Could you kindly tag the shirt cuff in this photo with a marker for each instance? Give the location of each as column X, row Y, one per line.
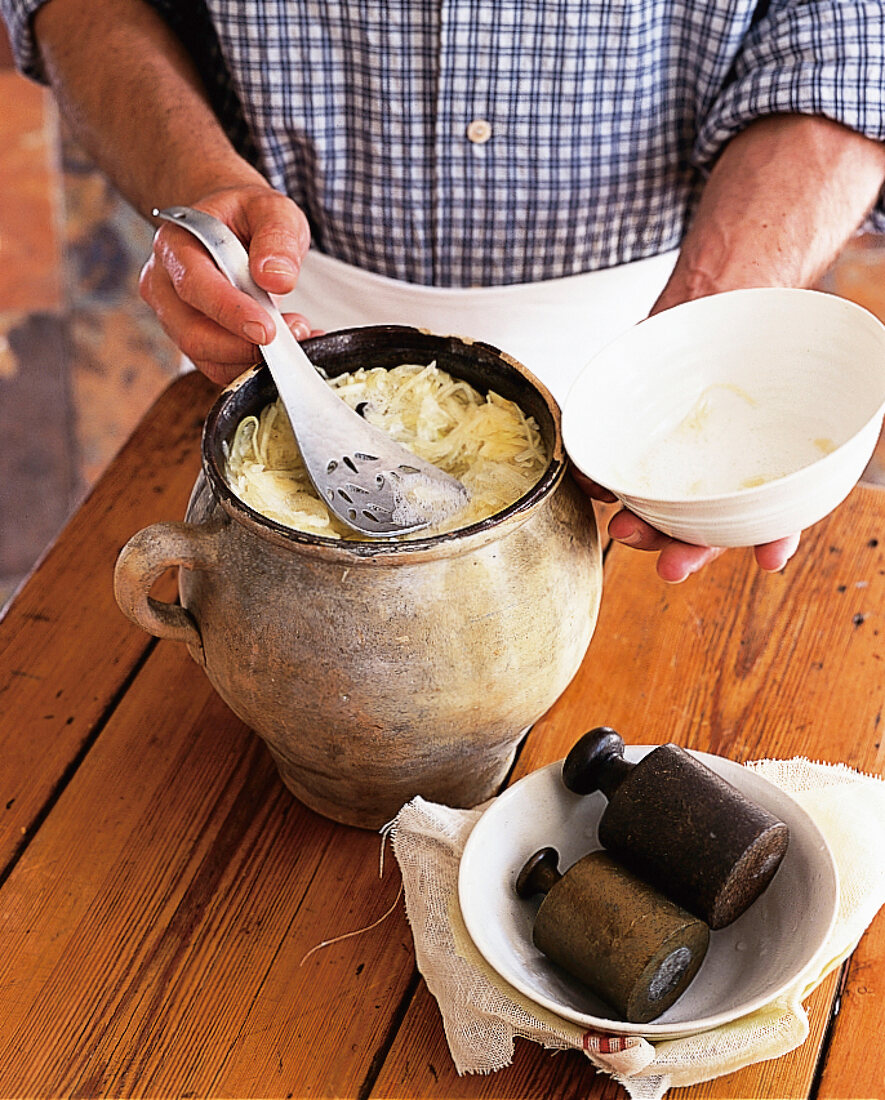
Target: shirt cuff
column 822, row 58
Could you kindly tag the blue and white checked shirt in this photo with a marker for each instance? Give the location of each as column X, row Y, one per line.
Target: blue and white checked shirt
column 483, row 142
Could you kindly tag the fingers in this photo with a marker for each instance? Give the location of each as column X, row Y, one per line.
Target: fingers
column 279, row 236
column 773, row 556
column 591, row 488
column 180, row 266
column 215, row 325
column 207, row 342
column 676, row 560
column 633, row 531
column 300, row 326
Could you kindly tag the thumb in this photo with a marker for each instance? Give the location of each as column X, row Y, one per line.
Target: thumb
column 279, row 238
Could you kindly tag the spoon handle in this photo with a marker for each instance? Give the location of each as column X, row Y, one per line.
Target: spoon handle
column 304, row 393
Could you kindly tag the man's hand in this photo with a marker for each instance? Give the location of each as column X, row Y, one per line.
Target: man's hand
column 215, row 325
column 781, row 201
column 678, row 560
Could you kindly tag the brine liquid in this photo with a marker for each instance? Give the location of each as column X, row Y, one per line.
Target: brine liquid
column 728, row 440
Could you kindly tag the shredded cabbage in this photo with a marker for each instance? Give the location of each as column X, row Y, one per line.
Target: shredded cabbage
column 486, row 442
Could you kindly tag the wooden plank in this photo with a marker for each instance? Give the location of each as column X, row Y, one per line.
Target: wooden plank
column 64, row 628
column 154, row 930
column 855, row 1068
column 170, row 960
column 736, row 662
column 420, row 1065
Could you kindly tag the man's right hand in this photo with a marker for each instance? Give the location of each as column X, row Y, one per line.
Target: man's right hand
column 137, row 105
column 215, row 325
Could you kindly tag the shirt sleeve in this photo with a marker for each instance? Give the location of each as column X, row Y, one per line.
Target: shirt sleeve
column 191, row 22
column 815, row 57
column 18, row 14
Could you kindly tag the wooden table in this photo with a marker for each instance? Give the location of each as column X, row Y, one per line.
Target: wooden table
column 160, row 888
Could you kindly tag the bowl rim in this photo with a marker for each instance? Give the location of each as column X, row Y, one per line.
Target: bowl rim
column 476, row 916
column 470, row 535
column 754, row 492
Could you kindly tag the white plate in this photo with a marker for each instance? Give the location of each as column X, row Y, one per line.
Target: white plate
column 763, row 953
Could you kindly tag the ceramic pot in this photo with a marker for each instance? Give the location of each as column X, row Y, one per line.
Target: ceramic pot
column 377, row 671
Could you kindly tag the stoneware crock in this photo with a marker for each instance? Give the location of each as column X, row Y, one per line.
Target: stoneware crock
column 377, row 671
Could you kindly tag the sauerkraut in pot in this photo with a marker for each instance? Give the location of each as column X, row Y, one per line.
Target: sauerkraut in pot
column 485, row 441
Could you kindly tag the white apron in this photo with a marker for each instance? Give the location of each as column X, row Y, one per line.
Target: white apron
column 553, row 327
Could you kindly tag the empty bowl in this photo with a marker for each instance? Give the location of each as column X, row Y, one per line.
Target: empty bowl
column 771, row 948
column 735, row 419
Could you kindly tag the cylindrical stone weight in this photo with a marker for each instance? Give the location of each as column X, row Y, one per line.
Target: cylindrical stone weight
column 678, row 825
column 630, row 945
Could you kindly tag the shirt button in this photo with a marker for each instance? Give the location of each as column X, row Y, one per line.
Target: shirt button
column 479, row 131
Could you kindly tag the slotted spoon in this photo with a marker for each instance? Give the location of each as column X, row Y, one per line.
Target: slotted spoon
column 372, row 483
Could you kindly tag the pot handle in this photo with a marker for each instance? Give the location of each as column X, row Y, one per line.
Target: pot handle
column 144, row 558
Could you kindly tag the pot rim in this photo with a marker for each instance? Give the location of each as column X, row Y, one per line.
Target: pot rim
column 462, row 538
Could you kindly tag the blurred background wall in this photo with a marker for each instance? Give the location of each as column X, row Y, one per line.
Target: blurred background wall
column 81, row 356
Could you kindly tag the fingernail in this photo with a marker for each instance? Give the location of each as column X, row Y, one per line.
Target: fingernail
column 255, row 333
column 633, row 539
column 299, row 330
column 279, row 265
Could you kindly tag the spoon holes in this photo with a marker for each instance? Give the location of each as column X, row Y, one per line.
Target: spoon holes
column 378, row 514
column 332, row 467
column 349, row 463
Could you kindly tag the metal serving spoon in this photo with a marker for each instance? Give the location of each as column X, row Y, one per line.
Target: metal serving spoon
column 372, row 483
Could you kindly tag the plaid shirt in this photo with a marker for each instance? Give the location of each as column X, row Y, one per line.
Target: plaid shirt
column 482, row 142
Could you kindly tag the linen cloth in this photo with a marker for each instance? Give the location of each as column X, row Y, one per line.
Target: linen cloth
column 487, row 142
column 482, row 1014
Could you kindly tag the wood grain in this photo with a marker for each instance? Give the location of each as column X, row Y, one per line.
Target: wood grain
column 738, row 662
column 155, row 943
column 66, row 650
column 855, row 1067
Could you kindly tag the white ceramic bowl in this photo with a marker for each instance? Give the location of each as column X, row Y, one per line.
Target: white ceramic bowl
column 766, row 951
column 735, row 419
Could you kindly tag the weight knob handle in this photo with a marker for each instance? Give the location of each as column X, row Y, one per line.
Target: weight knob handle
column 539, row 874
column 596, row 763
